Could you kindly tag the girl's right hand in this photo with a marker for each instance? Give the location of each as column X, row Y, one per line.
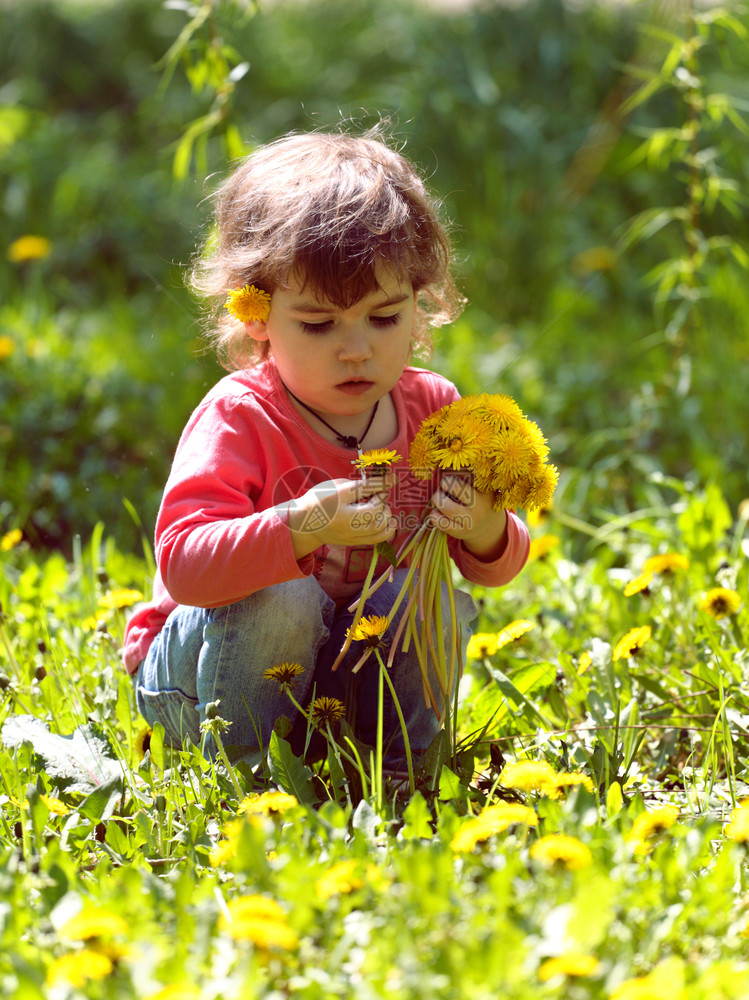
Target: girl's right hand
column 340, row 512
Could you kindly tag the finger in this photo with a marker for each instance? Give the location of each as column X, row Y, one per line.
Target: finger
column 458, row 489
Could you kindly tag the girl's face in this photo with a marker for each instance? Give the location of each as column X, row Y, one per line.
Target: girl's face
column 340, row 361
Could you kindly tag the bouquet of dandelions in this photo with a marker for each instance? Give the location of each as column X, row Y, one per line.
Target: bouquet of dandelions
column 488, row 439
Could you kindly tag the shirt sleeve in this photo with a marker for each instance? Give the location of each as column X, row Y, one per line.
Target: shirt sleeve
column 213, row 547
column 502, row 569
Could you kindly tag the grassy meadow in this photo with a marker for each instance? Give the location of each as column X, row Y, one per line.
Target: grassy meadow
column 586, row 837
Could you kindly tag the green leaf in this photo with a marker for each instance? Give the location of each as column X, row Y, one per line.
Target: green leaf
column 101, row 803
column 288, row 771
column 386, row 550
column 451, row 786
column 418, row 819
column 84, row 759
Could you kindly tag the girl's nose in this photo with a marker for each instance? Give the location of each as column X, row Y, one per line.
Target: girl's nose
column 355, row 346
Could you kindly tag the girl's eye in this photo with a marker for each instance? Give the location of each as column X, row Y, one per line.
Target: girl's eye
column 385, row 320
column 323, row 327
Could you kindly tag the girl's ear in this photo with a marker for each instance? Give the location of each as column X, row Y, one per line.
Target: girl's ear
column 256, row 329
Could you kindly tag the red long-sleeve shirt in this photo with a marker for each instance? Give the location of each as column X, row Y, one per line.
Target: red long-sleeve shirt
column 244, row 450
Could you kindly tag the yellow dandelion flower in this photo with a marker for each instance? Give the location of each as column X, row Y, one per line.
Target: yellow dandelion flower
column 585, row 662
column 631, row 643
column 640, row 583
column 720, row 602
column 512, row 456
column 538, row 516
column 539, row 491
column 77, row 967
column 175, row 991
column 561, row 851
column 11, row 540
column 327, row 710
column 142, row 741
column 571, row 963
column 665, row 982
column 125, row 597
column 377, row 457
column 93, row 922
column 649, row 824
column 338, row 879
column 493, row 819
column 568, row 779
column 55, row 805
column 542, row 546
column 285, row 674
column 514, row 631
column 249, row 304
column 738, row 827
column 222, row 852
column 482, row 644
column 421, row 456
column 274, row 803
column 259, row 920
column 669, row 562
column 529, row 776
column 502, row 412
column 29, row 248
column 7, row 347
column 459, row 452
column 369, row 630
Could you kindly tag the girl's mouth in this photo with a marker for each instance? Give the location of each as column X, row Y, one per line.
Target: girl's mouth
column 355, row 387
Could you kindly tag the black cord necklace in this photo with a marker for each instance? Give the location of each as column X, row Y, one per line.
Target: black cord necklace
column 347, row 440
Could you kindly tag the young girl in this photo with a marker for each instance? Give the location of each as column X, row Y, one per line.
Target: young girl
column 266, row 529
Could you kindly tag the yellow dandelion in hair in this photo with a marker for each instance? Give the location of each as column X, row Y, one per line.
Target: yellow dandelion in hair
column 55, row 805
column 274, row 803
column 640, row 584
column 542, row 546
column 376, row 457
column 29, row 248
column 571, row 964
column 125, row 597
column 631, row 643
column 492, row 820
column 11, row 540
column 668, row 562
column 249, row 304
column 339, row 879
column 649, row 825
column 93, row 922
column 529, row 776
column 738, row 827
column 285, row 674
column 369, row 630
column 514, row 631
column 481, row 645
column 561, row 851
column 720, row 602
column 327, row 710
column 78, row 967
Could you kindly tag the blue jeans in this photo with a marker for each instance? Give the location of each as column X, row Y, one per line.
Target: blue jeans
column 204, row 655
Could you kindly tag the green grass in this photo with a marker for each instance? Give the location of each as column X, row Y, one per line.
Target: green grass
column 380, row 901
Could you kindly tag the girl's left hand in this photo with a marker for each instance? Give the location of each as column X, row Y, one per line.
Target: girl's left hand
column 462, row 512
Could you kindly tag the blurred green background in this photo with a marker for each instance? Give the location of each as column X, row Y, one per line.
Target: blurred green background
column 515, row 111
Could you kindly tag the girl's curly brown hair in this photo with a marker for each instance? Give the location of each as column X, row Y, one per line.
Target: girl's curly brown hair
column 327, row 208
